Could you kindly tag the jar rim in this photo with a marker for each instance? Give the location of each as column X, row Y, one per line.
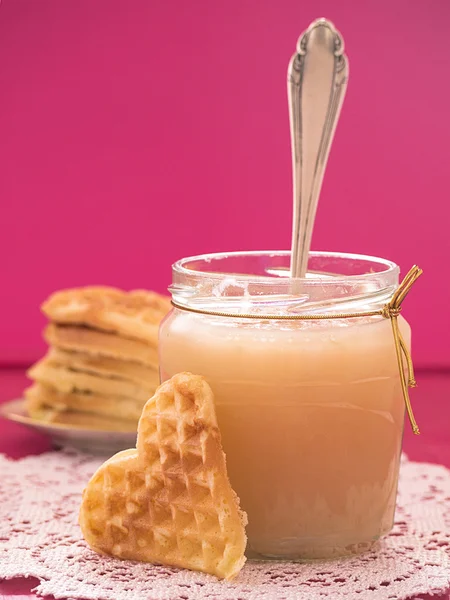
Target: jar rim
column 247, row 281
column 179, row 267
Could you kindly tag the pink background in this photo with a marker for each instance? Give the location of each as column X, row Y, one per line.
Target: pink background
column 133, row 133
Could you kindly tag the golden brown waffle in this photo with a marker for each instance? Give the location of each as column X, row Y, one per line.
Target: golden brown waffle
column 103, row 366
column 136, row 314
column 40, row 396
column 169, row 501
column 82, row 420
column 99, row 343
column 51, row 372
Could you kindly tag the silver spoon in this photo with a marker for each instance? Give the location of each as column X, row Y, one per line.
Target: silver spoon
column 317, row 81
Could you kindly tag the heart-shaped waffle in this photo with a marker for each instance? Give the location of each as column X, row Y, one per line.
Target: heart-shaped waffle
column 169, row 500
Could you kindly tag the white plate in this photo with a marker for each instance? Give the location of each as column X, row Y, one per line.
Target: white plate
column 98, row 441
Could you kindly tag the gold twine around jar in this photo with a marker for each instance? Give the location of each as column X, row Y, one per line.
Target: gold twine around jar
column 391, row 311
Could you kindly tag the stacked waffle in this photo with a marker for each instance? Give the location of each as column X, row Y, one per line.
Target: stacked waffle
column 102, row 365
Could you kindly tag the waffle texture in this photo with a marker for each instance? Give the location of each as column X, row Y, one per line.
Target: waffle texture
column 100, row 343
column 47, row 403
column 50, row 371
column 134, row 314
column 109, row 368
column 169, row 500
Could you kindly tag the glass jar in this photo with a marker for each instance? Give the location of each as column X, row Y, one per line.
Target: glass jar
column 311, row 412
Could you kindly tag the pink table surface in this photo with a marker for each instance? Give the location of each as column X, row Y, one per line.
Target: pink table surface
column 431, row 402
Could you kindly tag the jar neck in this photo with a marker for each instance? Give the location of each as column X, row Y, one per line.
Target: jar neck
column 259, row 282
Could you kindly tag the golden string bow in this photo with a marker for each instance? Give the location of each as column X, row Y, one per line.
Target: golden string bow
column 391, row 311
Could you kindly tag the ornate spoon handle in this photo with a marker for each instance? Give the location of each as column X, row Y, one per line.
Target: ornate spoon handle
column 317, row 81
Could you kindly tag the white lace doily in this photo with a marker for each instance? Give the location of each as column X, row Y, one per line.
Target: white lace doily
column 39, row 537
